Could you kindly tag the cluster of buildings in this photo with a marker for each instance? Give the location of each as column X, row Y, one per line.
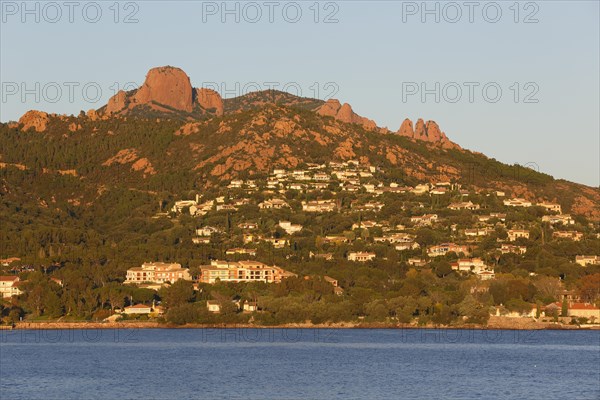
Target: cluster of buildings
column 157, row 274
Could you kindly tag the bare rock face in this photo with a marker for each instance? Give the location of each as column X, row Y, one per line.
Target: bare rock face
column 93, row 115
column 330, row 108
column 434, row 134
column 168, row 86
column 166, row 89
column 406, row 129
column 420, row 130
column 209, row 99
column 344, row 113
column 428, row 132
column 38, row 120
column 116, row 103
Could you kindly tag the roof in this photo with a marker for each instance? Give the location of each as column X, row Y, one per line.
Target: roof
column 9, row 278
column 583, row 306
column 138, row 306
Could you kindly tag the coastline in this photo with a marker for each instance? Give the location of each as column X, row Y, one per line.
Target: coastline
column 495, row 323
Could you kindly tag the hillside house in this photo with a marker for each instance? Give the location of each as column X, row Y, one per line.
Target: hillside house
column 517, row 202
column 478, row 232
column 248, row 225
column 416, row 262
column 407, row 246
column 426, row 219
column 334, row 282
column 278, row 243
column 213, row 306
column 514, row 234
column 365, row 225
column 474, row 265
column 421, row 189
column 289, row 228
column 558, row 219
column 241, row 251
column 509, row 248
column 442, row 249
column 249, row 306
column 584, row 261
column 319, row 206
column 242, row 271
column 207, row 231
column 360, row 256
column 551, row 207
column 9, row 286
column 396, row 238
column 273, row 204
column 572, row 235
column 138, row 309
column 157, row 272
column 464, row 205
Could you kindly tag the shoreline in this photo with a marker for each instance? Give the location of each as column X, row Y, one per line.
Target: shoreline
column 495, row 323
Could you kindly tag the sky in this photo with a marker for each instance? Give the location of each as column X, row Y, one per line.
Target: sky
column 517, row 81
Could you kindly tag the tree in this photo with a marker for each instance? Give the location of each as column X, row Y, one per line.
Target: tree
column 564, row 309
column 178, row 293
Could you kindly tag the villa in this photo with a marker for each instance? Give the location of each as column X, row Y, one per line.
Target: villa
column 360, row 256
column 242, row 271
column 157, row 272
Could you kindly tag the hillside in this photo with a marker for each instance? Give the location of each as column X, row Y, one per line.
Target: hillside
column 86, row 197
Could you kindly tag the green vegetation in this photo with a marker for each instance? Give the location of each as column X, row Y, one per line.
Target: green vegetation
column 89, row 227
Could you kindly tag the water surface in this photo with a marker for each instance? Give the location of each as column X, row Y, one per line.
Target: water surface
column 299, row 364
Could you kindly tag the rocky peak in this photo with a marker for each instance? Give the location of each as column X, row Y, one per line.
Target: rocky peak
column 344, row 113
column 168, row 86
column 38, row 120
column 166, row 89
column 406, row 129
column 427, row 131
column 209, row 99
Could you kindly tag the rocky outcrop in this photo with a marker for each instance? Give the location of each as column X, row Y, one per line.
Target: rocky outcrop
column 406, row 129
column 166, row 89
column 168, row 86
column 426, row 131
column 38, row 120
column 209, row 99
column 420, row 133
column 93, row 115
column 116, row 103
column 344, row 113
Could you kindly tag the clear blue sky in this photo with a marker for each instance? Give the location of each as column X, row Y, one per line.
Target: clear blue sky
column 374, row 54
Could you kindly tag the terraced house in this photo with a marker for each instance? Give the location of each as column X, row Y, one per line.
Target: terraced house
column 157, row 272
column 242, row 271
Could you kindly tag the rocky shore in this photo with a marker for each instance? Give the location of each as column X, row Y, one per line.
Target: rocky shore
column 494, row 323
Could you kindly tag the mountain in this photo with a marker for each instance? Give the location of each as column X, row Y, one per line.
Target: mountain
column 168, row 135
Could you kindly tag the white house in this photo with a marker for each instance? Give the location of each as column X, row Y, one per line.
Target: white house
column 360, row 256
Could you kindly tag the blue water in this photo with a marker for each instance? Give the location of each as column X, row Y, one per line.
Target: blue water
column 299, row 364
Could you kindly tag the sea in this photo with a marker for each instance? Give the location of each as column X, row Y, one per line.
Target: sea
column 275, row 363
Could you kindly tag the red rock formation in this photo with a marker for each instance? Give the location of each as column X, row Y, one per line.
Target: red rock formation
column 208, row 98
column 344, row 113
column 406, row 129
column 38, row 120
column 330, row 108
column 168, row 86
column 420, row 133
column 434, row 134
column 165, row 89
column 116, row 103
column 428, row 132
